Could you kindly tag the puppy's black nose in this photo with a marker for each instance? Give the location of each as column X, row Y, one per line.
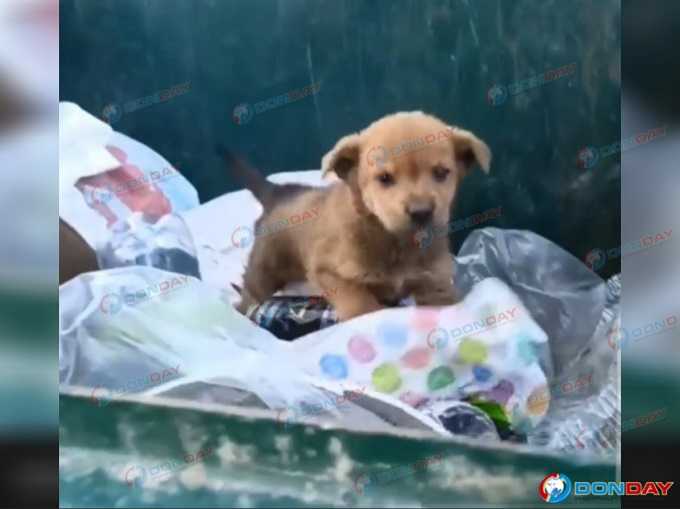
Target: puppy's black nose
column 421, row 216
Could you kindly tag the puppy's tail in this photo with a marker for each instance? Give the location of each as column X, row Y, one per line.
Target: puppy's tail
column 267, row 193
column 249, row 177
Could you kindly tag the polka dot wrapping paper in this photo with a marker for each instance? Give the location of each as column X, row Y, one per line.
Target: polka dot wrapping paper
column 486, row 350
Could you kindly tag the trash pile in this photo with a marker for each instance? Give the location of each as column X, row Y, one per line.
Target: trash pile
column 524, row 357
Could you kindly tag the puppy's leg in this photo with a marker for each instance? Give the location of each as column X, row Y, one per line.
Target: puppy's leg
column 261, row 279
column 349, row 299
column 436, row 288
column 434, row 292
column 258, row 286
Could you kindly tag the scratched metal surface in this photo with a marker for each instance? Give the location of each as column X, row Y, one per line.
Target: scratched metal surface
column 370, row 58
column 250, row 460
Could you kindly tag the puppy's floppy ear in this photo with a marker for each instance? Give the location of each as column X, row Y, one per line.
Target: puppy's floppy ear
column 470, row 150
column 343, row 158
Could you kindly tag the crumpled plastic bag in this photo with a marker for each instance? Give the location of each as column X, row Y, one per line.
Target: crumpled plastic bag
column 485, row 350
column 579, row 312
column 105, row 177
column 220, row 346
column 141, row 327
column 564, row 296
column 123, row 329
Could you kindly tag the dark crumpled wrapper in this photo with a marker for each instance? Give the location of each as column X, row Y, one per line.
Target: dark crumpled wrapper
column 291, row 317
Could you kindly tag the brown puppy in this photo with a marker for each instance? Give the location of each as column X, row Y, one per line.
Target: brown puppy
column 354, row 240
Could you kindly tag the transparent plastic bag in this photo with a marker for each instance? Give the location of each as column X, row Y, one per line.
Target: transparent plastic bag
column 579, row 311
column 212, row 344
column 123, row 330
column 165, row 244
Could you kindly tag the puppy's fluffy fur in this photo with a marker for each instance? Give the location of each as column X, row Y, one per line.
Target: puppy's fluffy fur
column 356, row 244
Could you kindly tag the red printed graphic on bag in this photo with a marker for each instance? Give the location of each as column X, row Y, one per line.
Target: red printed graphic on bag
column 117, row 193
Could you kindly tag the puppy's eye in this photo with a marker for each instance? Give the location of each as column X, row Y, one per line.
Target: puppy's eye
column 440, row 173
column 386, row 179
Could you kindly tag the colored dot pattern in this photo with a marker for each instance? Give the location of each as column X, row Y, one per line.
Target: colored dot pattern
column 416, row 358
column 482, row 373
column 413, row 399
column 334, row 366
column 386, row 378
column 425, row 319
column 502, row 391
column 525, row 350
column 472, row 351
column 395, row 370
column 539, row 401
column 439, row 378
column 393, row 335
column 361, row 349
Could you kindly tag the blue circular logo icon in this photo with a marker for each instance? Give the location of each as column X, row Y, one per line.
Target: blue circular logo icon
column 618, row 337
column 102, row 399
column 135, row 476
column 595, row 259
column 377, row 156
column 497, row 95
column 554, row 488
column 361, row 482
column 112, row 113
column 111, row 303
column 242, row 236
column 438, row 338
column 423, row 237
column 588, row 157
column 242, row 113
column 96, row 195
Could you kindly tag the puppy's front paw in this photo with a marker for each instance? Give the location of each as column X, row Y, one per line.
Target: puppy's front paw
column 437, row 296
column 242, row 307
column 247, row 302
column 345, row 313
column 355, row 302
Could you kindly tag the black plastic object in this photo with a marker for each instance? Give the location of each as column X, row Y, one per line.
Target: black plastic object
column 461, row 418
column 172, row 260
column 291, row 317
column 165, row 245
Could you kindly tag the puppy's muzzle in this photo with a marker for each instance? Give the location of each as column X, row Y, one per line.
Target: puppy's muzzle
column 421, row 216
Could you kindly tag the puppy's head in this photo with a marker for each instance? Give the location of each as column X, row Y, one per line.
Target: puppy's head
column 406, row 168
